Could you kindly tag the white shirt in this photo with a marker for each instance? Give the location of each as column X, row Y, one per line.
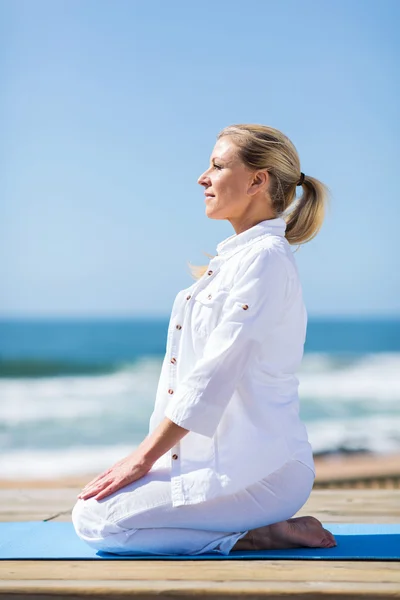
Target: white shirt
column 235, row 340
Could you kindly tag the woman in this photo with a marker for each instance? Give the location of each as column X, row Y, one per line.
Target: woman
column 227, row 462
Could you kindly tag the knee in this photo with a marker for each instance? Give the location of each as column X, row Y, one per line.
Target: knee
column 88, row 523
column 94, row 529
column 83, row 519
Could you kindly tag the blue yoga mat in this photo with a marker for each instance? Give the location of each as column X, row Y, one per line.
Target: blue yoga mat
column 46, row 540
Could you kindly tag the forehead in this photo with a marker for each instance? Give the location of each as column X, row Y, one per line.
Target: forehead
column 224, row 149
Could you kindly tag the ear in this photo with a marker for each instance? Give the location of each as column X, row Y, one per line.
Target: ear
column 259, row 180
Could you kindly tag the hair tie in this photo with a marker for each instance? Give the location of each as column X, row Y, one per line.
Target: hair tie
column 300, row 182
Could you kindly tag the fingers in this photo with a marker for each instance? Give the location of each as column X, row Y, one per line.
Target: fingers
column 94, row 481
column 102, row 490
column 97, row 480
column 107, row 491
column 100, row 478
column 105, row 486
column 94, row 489
column 119, row 475
column 89, row 490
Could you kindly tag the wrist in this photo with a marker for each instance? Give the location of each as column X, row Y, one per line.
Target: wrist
column 162, row 439
column 144, row 457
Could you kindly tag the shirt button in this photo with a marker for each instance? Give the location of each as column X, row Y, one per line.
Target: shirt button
column 174, row 456
column 170, row 391
column 209, row 296
column 209, row 273
column 188, row 297
column 179, row 326
column 245, row 306
column 173, row 360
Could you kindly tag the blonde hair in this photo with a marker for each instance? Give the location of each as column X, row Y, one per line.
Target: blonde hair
column 263, row 147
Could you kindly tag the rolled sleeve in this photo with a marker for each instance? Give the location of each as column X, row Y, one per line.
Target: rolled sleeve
column 256, row 304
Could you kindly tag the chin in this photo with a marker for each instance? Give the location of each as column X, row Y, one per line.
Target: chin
column 215, row 216
column 212, row 214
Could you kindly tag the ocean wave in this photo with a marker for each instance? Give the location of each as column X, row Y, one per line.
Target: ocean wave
column 348, row 403
column 35, row 368
column 379, row 435
column 374, row 433
column 43, row 464
column 368, row 383
column 47, row 399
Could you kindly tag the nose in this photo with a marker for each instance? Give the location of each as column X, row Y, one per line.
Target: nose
column 201, row 180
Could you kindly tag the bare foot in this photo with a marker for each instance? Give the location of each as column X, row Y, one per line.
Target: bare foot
column 293, row 533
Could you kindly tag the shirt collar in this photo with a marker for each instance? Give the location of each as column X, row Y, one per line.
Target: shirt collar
column 239, row 241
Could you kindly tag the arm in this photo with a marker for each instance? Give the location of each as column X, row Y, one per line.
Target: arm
column 162, row 439
column 136, row 464
column 255, row 305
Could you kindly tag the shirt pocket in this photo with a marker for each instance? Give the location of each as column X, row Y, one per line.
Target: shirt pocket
column 207, row 309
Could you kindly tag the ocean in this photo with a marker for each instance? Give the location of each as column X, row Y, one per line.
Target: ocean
column 76, row 395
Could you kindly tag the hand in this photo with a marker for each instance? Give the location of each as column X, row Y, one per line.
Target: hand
column 129, row 469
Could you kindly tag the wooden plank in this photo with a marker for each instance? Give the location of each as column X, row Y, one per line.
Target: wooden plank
column 201, row 570
column 154, row 590
column 35, row 505
column 355, row 505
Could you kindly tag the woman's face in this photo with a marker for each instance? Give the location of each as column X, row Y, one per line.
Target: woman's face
column 228, row 180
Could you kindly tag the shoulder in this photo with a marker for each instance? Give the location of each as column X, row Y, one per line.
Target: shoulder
column 270, row 255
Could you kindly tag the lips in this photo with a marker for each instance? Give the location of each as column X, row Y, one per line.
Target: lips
column 209, row 195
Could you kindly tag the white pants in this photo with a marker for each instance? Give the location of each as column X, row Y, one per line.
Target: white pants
column 139, row 518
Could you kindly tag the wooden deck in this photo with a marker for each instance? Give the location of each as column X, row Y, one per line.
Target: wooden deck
column 220, row 579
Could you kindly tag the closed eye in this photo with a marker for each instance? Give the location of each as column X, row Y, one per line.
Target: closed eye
column 217, row 166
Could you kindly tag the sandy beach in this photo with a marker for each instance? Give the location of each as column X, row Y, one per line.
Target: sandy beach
column 336, row 470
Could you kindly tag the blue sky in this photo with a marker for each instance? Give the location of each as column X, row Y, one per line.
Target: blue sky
column 109, row 112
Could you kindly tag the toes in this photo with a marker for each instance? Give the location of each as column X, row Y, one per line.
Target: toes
column 330, row 536
column 308, row 531
column 329, row 542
